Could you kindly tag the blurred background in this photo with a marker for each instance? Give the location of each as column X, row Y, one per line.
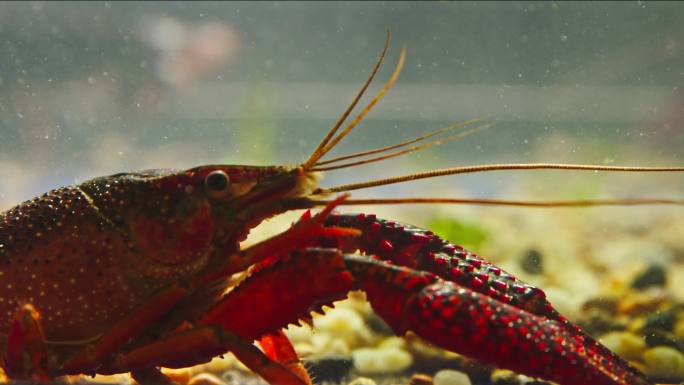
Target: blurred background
column 90, row 89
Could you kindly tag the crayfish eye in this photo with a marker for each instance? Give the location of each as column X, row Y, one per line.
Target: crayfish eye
column 217, row 182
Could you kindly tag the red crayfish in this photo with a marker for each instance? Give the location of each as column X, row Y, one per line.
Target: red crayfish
column 131, row 272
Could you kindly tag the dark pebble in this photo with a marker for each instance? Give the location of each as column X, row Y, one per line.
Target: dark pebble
column 606, row 305
column 598, row 322
column 664, row 320
column 655, row 275
column 328, row 368
column 658, row 337
column 532, row 262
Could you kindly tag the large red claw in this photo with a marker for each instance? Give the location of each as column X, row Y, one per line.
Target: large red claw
column 470, row 323
column 460, row 302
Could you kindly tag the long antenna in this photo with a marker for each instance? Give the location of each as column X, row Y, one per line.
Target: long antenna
column 399, row 145
column 490, row 167
column 502, row 202
column 369, row 106
column 318, row 152
column 409, row 150
column 332, row 138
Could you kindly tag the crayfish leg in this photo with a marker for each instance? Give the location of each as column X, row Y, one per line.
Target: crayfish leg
column 279, row 348
column 26, row 338
column 88, row 359
column 199, row 345
column 274, row 300
column 278, row 364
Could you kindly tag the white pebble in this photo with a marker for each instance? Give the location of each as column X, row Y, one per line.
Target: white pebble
column 339, row 320
column 345, row 324
column 329, row 343
column 362, row 381
column 392, row 342
column 385, row 360
column 451, row 377
column 205, row 379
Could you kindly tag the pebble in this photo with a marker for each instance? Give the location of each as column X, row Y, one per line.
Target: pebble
column 678, row 328
column 660, row 320
column 421, row 379
column 328, row 368
column 507, row 377
column 653, row 276
column 532, row 262
column 327, row 343
column 600, row 323
column 381, row 360
column 179, row 376
column 430, row 359
column 304, row 349
column 657, row 337
column 504, row 377
column 392, row 342
column 362, row 381
column 624, row 344
column 451, row 377
column 606, row 305
column 218, row 365
column 643, row 302
column 635, row 325
column 664, row 362
column 205, row 379
column 343, row 323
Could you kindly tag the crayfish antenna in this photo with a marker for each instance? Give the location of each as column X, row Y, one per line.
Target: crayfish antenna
column 402, row 144
column 490, row 167
column 502, row 202
column 405, row 151
column 347, row 129
column 319, row 151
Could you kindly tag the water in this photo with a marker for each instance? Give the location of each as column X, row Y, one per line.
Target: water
column 91, row 89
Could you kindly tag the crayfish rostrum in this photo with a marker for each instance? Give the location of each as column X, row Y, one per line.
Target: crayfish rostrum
column 131, row 272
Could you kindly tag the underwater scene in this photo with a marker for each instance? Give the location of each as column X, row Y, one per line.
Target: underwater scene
column 365, row 193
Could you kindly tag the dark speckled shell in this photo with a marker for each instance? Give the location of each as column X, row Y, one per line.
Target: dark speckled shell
column 59, row 253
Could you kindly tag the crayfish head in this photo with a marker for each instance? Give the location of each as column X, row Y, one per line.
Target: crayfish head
column 176, row 218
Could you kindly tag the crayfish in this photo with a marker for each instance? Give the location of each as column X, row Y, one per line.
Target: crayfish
column 132, row 272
